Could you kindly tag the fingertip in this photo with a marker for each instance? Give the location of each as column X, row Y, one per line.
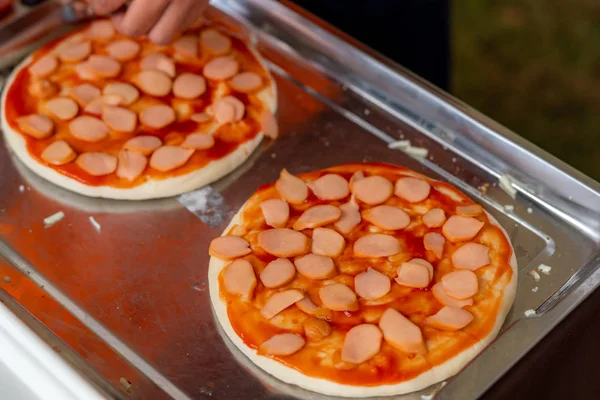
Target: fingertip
column 158, row 38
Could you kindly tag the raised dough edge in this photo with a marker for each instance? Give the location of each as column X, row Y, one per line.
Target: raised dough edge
column 153, row 188
column 289, row 375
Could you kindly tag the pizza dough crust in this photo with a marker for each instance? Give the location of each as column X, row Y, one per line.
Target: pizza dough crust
column 153, row 188
column 294, row 377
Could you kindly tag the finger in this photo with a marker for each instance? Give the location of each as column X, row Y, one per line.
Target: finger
column 174, row 20
column 105, row 7
column 117, row 19
column 197, row 16
column 141, row 16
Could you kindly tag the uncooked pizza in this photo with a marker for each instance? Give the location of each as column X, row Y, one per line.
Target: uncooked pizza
column 110, row 116
column 361, row 280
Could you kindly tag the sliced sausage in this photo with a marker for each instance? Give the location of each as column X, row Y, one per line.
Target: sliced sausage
column 435, row 242
column 76, row 51
column 246, row 82
column 127, row 93
column 214, row 42
column 200, row 117
column 276, row 212
column 186, row 46
column 283, row 344
column 291, row 188
column 62, row 108
column 158, row 62
column 372, row 284
column 277, row 273
column 221, row 68
column 167, row 158
column 386, row 217
column 283, row 242
column 153, row 82
column 43, row 88
column 350, row 217
column 97, row 164
column 424, row 263
column 229, row 247
column 269, row 125
column 401, row 333
column 440, row 295
column 102, row 29
column 316, row 216
column 361, row 343
column 88, row 129
column 316, row 329
column 279, row 302
column 414, row 275
column 157, row 116
column 307, row 306
column 412, row 190
column 313, row 266
column 36, row 125
column 338, row 297
column 460, row 284
column 327, row 242
column 228, row 109
column 111, row 100
column 94, row 107
column 198, row 141
column 143, row 144
column 330, row 187
column 85, row 93
column 44, row 67
column 449, row 319
column 104, row 66
column 119, row 119
column 131, row 165
column 239, row 279
column 124, row 49
column 472, row 210
column 357, row 176
column 189, row 86
column 434, row 218
column 372, row 190
column 458, row 228
column 377, row 245
column 84, row 71
column 58, row 153
column 471, row 256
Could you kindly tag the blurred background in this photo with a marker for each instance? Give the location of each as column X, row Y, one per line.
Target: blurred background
column 534, row 66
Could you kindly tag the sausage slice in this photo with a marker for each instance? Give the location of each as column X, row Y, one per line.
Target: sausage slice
column 471, row 256
column 123, row 50
column 36, row 125
column 143, row 144
column 424, row 263
column 44, row 67
column 228, row 109
column 372, row 284
column 460, row 284
column 269, row 124
column 450, row 319
column 214, row 42
column 338, row 297
column 198, row 141
column 62, row 108
column 76, row 51
column 189, row 86
column 377, row 245
column 401, row 333
column 361, row 343
column 102, row 29
column 157, row 116
column 313, row 266
column 246, row 82
column 279, row 302
column 97, row 164
column 327, row 242
column 221, row 68
column 283, row 344
column 167, row 158
column 458, row 229
column 85, row 71
column 440, row 295
column 153, row 82
column 158, row 62
column 239, row 279
column 229, row 247
column 58, row 153
column 186, row 46
column 386, row 217
column 88, row 129
column 316, row 216
column 119, row 119
column 330, row 187
column 372, row 190
column 412, row 190
column 291, row 188
column 104, row 66
column 434, row 242
column 283, row 242
column 277, row 273
column 85, row 93
column 414, row 275
column 127, row 93
column 200, row 117
column 307, row 306
column 434, row 218
column 276, row 212
column 472, row 210
column 350, row 217
column 131, row 165
column 43, row 88
column 357, row 176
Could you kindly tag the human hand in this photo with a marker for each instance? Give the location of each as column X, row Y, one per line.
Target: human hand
column 159, row 19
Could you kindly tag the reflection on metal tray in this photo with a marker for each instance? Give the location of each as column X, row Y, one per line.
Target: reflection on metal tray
column 138, row 289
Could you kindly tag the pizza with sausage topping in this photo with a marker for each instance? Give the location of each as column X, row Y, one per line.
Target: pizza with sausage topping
column 361, row 280
column 107, row 115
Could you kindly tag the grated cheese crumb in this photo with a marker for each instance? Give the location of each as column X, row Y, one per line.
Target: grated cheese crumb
column 54, row 218
column 529, row 210
column 96, row 225
column 535, row 289
column 530, row 313
column 535, row 275
column 126, row 384
column 417, row 151
column 21, row 188
column 367, row 112
column 509, row 207
column 544, row 269
column 505, row 184
column 399, row 144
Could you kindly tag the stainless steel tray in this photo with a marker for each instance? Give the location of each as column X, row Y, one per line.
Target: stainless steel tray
column 132, row 300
